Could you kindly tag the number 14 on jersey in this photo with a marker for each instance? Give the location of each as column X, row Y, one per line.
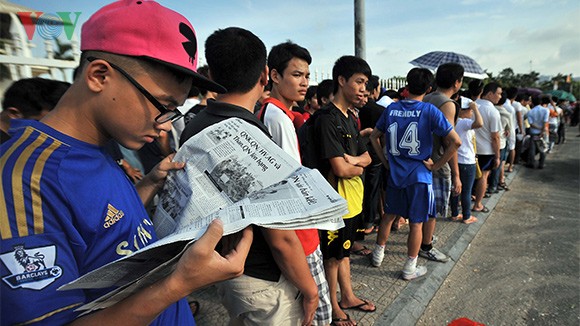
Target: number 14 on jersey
column 409, row 141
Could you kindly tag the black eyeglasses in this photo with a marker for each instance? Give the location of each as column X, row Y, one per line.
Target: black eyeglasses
column 165, row 114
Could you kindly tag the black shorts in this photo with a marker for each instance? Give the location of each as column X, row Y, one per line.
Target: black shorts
column 337, row 243
column 485, row 162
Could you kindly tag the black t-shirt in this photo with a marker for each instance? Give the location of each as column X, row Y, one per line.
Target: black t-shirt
column 338, row 135
column 260, row 262
column 369, row 115
column 196, row 109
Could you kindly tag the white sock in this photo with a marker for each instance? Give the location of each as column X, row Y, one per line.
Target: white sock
column 410, row 265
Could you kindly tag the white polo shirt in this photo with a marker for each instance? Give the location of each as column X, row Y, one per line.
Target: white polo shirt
column 491, row 123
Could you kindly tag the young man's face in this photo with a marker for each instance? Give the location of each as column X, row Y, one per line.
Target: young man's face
column 313, row 103
column 354, row 88
column 292, row 84
column 494, row 97
column 364, row 100
column 130, row 118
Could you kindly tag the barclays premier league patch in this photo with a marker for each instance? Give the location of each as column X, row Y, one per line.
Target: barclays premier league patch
column 31, row 268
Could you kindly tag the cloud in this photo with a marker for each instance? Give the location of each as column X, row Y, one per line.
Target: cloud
column 570, row 52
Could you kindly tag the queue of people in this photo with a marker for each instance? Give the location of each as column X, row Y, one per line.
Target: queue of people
column 411, row 156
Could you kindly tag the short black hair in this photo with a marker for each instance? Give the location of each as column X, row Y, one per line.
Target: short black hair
column 311, row 92
column 204, row 71
column 490, row 87
column 373, row 83
column 511, row 92
column 541, row 99
column 474, row 88
column 324, row 89
column 282, row 53
column 447, row 74
column 348, row 65
column 545, row 99
column 522, row 97
column 236, row 58
column 419, row 80
column 502, row 99
column 393, row 94
column 32, row 95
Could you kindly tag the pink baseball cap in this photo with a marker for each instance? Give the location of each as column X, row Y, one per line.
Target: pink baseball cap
column 141, row 28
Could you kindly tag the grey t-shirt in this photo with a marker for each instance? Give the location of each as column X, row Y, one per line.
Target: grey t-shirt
column 438, row 99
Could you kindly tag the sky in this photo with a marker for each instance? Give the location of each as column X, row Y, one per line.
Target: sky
column 524, row 35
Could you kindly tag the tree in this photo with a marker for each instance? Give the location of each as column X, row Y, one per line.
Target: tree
column 507, row 78
column 529, row 79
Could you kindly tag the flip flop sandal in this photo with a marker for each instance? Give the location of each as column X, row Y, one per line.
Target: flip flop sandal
column 364, row 251
column 339, row 321
column 483, row 210
column 360, row 306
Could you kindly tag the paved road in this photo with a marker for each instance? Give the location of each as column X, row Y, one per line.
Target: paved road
column 519, row 265
column 522, row 267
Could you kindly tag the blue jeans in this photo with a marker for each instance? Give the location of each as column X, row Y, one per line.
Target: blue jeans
column 494, row 175
column 467, row 177
column 536, row 147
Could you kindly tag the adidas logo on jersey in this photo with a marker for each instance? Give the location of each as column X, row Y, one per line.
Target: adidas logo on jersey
column 113, row 215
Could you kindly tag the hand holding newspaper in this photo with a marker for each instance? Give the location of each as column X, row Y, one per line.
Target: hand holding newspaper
column 233, row 172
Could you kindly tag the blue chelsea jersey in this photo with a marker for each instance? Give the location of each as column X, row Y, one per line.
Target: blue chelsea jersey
column 409, row 126
column 66, row 209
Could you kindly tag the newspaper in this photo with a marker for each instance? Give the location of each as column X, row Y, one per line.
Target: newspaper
column 234, row 173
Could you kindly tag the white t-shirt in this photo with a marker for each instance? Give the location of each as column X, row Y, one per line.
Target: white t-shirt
column 282, row 130
column 491, row 123
column 465, row 153
column 505, row 121
column 385, row 101
column 512, row 138
column 519, row 108
column 179, row 124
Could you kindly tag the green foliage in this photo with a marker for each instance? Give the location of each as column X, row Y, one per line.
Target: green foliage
column 508, row 78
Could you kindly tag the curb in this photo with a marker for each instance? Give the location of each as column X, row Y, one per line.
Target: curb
column 410, row 304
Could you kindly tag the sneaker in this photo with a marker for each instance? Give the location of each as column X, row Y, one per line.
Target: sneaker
column 418, row 272
column 434, row 255
column 434, row 239
column 378, row 256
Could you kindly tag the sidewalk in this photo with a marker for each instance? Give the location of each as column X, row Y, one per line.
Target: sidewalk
column 398, row 302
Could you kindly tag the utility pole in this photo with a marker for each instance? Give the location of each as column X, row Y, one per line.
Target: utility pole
column 359, row 29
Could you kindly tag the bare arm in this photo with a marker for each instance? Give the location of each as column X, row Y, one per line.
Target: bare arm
column 478, row 121
column 365, row 132
column 520, row 122
column 342, row 169
column 452, row 143
column 449, row 110
column 495, row 146
column 289, row 256
column 375, row 139
column 362, row 160
column 199, row 266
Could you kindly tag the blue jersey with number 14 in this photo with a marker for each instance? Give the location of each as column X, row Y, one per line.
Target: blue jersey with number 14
column 409, row 126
